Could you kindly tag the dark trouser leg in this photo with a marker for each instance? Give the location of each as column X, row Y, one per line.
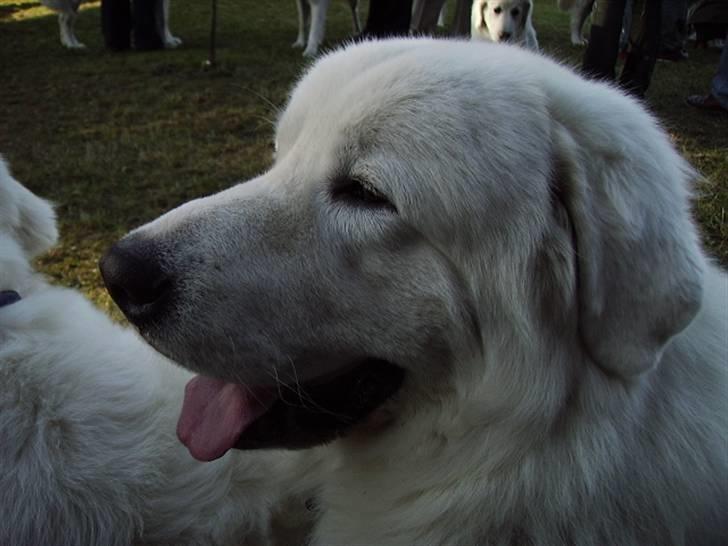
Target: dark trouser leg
column 425, row 16
column 146, row 35
column 601, row 52
column 644, row 47
column 673, row 32
column 388, row 18
column 461, row 20
column 116, row 24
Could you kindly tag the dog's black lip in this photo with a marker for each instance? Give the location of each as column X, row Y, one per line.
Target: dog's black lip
column 326, row 408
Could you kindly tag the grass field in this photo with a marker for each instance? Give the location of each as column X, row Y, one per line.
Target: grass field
column 116, row 139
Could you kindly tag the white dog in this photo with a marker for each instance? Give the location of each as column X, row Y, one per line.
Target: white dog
column 503, row 21
column 68, row 13
column 475, row 275
column 312, row 14
column 88, row 412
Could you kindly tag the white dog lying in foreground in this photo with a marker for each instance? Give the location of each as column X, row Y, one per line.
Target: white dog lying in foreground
column 87, row 419
column 474, row 274
column 504, row 21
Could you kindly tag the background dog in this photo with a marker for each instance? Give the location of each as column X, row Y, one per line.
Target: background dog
column 468, row 277
column 312, row 14
column 504, row 21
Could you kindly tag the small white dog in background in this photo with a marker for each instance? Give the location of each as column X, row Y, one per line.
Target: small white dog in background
column 88, row 411
column 312, row 14
column 504, row 21
column 68, row 13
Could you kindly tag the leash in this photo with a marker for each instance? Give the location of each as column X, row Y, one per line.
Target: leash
column 8, row 297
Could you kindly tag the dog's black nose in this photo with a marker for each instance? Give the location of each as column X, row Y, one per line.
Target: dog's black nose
column 135, row 280
column 8, row 297
column 504, row 36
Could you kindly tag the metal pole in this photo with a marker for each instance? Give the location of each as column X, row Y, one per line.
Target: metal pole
column 210, row 63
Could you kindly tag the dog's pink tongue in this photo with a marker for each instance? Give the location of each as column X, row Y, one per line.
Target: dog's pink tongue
column 215, row 414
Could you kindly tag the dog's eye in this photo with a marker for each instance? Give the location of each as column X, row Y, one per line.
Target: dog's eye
column 497, row 10
column 355, row 191
column 515, row 12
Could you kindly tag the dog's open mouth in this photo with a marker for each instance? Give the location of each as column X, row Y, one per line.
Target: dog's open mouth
column 218, row 416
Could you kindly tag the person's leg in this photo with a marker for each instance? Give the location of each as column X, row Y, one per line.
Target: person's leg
column 673, row 30
column 145, row 26
column 425, row 15
column 719, row 85
column 644, row 47
column 626, row 26
column 461, row 19
column 388, row 18
column 116, row 24
column 601, row 52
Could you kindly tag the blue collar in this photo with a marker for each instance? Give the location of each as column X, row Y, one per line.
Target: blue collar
column 8, row 297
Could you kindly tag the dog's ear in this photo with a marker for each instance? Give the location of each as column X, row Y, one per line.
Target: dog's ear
column 30, row 219
column 639, row 267
column 477, row 17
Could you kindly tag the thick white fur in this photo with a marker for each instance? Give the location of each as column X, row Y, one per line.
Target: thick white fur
column 541, row 282
column 312, row 14
column 88, row 450
column 504, row 21
column 68, row 13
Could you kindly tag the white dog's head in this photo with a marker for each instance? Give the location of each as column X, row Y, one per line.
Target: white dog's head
column 501, row 20
column 27, row 228
column 439, row 216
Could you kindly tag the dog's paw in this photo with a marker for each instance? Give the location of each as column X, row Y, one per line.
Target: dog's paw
column 72, row 44
column 299, row 43
column 578, row 41
column 170, row 42
column 310, row 52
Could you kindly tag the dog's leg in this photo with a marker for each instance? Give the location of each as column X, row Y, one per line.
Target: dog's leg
column 318, row 26
column 67, row 23
column 529, row 33
column 304, row 14
column 354, row 5
column 579, row 13
column 169, row 40
column 442, row 17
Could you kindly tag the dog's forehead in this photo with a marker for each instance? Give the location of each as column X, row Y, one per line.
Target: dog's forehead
column 356, row 90
column 506, row 4
column 396, row 110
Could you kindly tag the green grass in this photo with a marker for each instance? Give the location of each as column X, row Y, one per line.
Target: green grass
column 116, row 139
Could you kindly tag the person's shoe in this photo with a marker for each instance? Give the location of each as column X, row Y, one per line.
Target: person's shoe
column 705, row 102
